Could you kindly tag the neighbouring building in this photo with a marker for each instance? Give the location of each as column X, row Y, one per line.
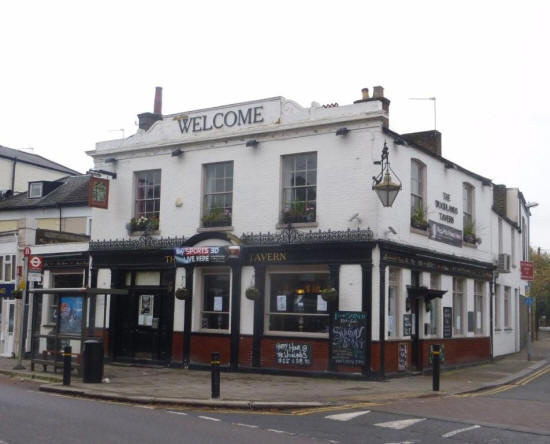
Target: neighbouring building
column 253, row 230
column 53, row 218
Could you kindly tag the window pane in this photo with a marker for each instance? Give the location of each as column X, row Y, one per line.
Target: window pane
column 299, row 173
column 301, row 163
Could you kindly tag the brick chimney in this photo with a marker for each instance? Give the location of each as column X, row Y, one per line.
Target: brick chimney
column 378, row 94
column 429, row 140
column 146, row 120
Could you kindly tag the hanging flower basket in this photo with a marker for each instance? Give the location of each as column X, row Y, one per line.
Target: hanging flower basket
column 329, row 294
column 182, row 294
column 17, row 294
column 252, row 293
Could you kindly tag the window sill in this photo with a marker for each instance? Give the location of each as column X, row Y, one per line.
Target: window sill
column 468, row 244
column 281, row 226
column 141, row 233
column 297, row 334
column 211, row 229
column 418, row 231
column 214, row 330
column 508, row 329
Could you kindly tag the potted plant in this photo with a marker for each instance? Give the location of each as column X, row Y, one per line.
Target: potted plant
column 329, row 294
column 217, row 217
column 298, row 212
column 419, row 219
column 183, row 294
column 252, row 293
column 143, row 223
column 469, row 233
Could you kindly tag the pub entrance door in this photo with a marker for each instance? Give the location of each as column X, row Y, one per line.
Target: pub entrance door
column 143, row 325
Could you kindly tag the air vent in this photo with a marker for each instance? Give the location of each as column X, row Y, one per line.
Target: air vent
column 504, row 263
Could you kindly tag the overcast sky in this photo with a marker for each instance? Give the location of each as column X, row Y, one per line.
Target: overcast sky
column 74, row 73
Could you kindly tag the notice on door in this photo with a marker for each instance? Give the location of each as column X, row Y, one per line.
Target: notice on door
column 145, row 315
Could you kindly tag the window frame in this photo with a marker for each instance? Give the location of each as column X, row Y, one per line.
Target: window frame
column 394, row 283
column 213, row 272
column 498, row 316
column 267, row 302
column 304, row 211
column 225, row 218
column 155, row 214
column 458, row 298
column 468, row 204
column 435, row 312
column 418, row 192
column 40, row 190
column 507, row 307
column 479, row 306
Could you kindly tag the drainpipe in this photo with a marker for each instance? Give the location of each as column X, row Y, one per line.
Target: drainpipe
column 59, row 206
column 13, row 175
column 491, row 301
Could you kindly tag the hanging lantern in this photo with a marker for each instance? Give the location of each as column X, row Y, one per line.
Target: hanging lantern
column 384, row 184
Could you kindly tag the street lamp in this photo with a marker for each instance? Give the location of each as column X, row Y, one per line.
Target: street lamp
column 383, row 184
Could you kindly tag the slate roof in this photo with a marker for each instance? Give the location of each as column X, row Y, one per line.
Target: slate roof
column 34, row 159
column 72, row 192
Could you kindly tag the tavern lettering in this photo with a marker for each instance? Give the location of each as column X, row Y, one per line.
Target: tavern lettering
column 229, row 119
column 267, row 257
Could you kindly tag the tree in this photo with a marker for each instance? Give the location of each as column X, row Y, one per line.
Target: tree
column 540, row 287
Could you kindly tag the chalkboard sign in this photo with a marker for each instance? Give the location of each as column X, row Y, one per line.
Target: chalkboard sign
column 407, row 324
column 348, row 337
column 447, row 322
column 290, row 353
column 403, row 351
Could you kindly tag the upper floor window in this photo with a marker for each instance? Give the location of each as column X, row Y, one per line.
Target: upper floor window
column 468, row 223
column 218, row 195
column 147, row 197
column 419, row 217
column 35, row 189
column 7, row 268
column 299, row 188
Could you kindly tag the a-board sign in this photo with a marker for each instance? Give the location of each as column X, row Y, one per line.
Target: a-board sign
column 348, row 337
column 471, row 323
column 403, row 357
column 291, row 353
column 447, row 322
column 407, row 324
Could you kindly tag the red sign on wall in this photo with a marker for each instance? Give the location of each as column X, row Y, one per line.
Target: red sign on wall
column 35, row 263
column 527, row 270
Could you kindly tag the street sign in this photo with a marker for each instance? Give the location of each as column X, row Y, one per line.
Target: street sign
column 527, row 270
column 27, row 251
column 35, row 263
column 34, row 277
column 529, row 301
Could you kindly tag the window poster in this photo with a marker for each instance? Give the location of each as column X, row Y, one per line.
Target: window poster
column 321, row 303
column 218, row 303
column 145, row 317
column 70, row 314
column 281, row 302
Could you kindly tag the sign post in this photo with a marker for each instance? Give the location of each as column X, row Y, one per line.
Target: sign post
column 529, row 303
column 21, row 347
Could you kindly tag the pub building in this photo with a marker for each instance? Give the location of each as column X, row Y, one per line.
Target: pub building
column 260, row 230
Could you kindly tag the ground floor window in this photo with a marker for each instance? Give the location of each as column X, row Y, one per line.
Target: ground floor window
column 507, row 307
column 393, row 301
column 498, row 316
column 215, row 300
column 61, row 280
column 478, row 306
column 434, row 304
column 458, row 305
column 294, row 303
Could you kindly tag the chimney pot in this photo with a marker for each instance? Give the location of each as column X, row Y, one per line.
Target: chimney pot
column 378, row 92
column 365, row 93
column 157, row 108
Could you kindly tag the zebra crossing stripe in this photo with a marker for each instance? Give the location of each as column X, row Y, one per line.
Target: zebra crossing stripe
column 346, row 416
column 400, row 424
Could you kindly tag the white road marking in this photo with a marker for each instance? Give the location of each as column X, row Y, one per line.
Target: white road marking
column 402, row 442
column 208, row 418
column 347, row 416
column 177, row 413
column 280, row 431
column 456, row 432
column 400, row 424
column 245, row 425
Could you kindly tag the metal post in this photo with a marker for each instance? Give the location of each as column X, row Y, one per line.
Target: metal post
column 215, row 370
column 21, row 347
column 436, row 352
column 67, row 365
column 529, row 333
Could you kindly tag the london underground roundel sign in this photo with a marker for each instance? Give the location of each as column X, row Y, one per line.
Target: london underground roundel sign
column 35, row 263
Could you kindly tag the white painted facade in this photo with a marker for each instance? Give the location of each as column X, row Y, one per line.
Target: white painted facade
column 345, row 200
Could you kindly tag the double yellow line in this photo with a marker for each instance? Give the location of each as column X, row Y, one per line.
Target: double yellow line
column 506, row 387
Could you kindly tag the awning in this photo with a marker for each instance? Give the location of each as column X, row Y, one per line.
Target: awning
column 424, row 292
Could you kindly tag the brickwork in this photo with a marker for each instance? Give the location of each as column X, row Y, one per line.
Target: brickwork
column 202, row 346
column 245, row 351
column 177, row 347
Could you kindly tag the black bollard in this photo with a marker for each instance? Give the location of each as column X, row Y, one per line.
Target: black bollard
column 67, row 365
column 215, row 362
column 436, row 352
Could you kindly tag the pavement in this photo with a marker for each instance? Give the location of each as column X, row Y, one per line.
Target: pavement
column 182, row 387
